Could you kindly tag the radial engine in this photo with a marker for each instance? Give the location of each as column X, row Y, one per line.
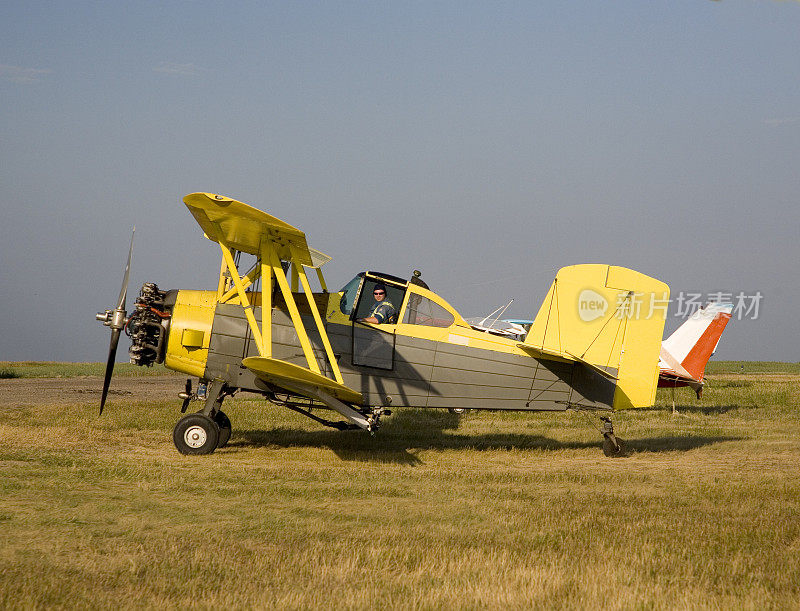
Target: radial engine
column 148, row 325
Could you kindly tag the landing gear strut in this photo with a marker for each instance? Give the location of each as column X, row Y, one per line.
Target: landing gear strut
column 612, row 445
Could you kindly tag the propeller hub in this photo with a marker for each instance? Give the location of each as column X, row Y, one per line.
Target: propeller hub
column 118, row 319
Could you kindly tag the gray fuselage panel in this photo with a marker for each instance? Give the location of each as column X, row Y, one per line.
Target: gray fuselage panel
column 403, row 371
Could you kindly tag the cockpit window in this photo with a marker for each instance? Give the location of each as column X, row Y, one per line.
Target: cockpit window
column 422, row 311
column 393, row 299
column 350, row 291
column 358, row 294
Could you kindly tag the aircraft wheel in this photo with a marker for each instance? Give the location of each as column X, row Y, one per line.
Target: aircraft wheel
column 611, row 450
column 224, row 424
column 196, row 434
column 457, row 410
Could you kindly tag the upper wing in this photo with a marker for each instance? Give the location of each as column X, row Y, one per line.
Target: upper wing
column 243, row 228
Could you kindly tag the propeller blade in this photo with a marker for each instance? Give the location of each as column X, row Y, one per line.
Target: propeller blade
column 112, row 353
column 117, row 322
column 188, row 397
column 123, row 293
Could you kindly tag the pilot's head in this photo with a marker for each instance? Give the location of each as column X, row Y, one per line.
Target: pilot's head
column 379, row 292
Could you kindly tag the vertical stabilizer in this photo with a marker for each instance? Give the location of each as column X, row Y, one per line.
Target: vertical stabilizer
column 609, row 318
column 693, row 343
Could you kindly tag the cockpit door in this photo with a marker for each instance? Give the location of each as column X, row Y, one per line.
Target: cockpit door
column 374, row 344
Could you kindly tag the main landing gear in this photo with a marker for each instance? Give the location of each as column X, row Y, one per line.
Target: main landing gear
column 208, row 429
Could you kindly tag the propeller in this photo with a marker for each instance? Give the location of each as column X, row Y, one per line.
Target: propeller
column 115, row 319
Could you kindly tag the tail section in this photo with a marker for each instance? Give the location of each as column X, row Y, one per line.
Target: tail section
column 693, row 343
column 609, row 318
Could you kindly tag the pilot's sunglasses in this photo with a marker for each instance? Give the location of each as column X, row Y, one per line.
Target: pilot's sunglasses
column 379, row 293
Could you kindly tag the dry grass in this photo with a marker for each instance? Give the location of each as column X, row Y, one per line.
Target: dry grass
column 489, row 510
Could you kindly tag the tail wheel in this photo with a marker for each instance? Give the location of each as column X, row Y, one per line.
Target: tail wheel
column 612, row 449
column 196, row 434
column 224, row 424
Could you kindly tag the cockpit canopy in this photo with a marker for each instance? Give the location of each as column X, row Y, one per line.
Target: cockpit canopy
column 413, row 307
column 363, row 283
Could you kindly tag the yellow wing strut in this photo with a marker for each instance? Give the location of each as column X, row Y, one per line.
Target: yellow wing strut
column 266, row 298
column 294, row 313
column 237, row 281
column 301, row 272
column 238, row 227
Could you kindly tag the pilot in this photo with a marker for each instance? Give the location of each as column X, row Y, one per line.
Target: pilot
column 383, row 310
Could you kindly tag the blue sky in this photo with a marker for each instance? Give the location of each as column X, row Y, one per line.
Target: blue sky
column 487, row 144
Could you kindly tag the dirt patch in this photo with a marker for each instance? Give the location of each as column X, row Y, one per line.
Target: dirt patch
column 44, row 391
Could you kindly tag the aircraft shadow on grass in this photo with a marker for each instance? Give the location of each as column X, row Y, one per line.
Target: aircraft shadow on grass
column 401, row 439
column 706, row 410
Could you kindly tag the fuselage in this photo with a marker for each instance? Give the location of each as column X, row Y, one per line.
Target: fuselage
column 429, row 357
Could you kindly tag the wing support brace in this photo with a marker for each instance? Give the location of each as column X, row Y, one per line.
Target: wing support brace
column 270, row 269
column 345, row 410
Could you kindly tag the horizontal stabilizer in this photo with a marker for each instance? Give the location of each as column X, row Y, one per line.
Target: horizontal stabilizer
column 544, row 353
column 599, row 369
column 669, row 365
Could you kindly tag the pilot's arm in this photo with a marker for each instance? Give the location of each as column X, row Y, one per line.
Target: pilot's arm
column 379, row 315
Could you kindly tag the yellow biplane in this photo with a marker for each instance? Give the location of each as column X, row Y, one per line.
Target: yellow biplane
column 265, row 330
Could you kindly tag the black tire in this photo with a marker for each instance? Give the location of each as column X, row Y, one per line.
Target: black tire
column 611, row 450
column 196, row 434
column 457, row 410
column 224, row 424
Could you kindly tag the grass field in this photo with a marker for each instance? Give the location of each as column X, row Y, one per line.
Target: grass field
column 486, row 510
column 51, row 369
column 748, row 367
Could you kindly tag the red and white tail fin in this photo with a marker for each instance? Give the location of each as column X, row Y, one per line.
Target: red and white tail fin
column 693, row 343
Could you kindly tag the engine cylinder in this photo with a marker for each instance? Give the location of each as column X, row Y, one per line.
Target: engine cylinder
column 148, row 326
